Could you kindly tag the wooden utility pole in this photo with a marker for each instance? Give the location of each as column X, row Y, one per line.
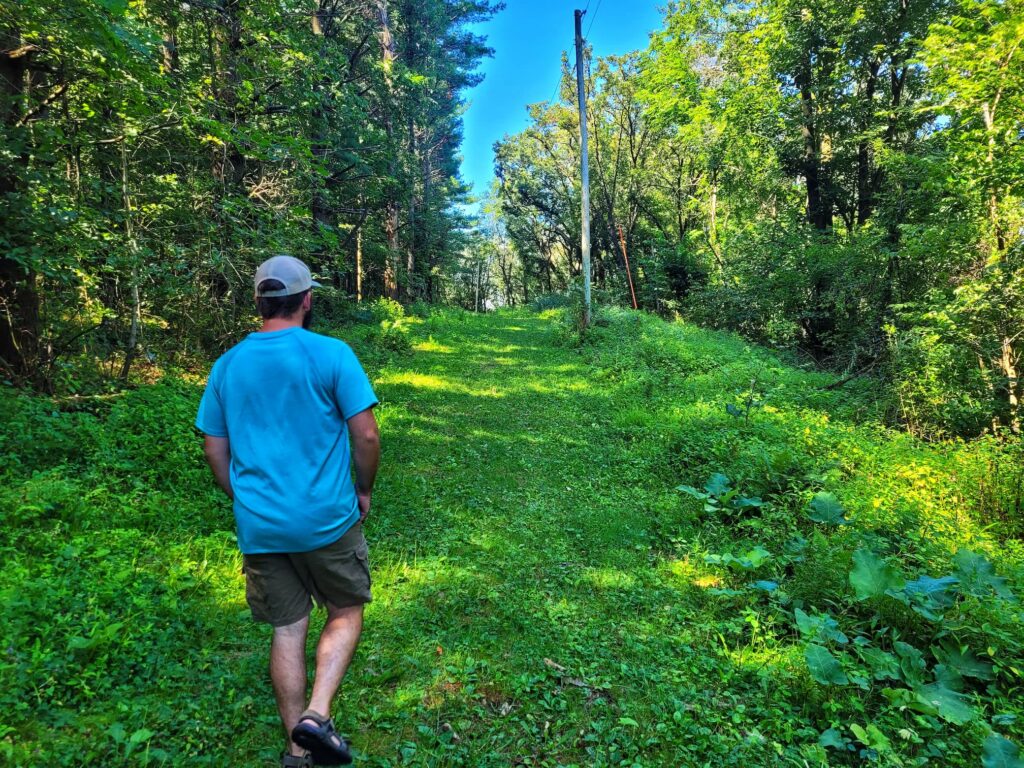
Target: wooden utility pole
column 585, row 204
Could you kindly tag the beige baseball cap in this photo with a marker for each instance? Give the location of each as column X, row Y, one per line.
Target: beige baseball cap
column 289, row 271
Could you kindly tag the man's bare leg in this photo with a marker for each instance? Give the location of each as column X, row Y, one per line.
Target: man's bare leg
column 334, row 652
column 288, row 674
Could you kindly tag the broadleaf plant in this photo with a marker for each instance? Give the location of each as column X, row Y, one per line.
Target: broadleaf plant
column 872, row 576
column 825, row 508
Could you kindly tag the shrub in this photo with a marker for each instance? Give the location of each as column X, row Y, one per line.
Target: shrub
column 939, row 388
column 386, row 310
column 332, row 307
column 35, row 434
column 550, row 301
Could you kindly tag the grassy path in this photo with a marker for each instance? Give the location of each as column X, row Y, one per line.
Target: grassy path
column 521, row 612
column 542, row 594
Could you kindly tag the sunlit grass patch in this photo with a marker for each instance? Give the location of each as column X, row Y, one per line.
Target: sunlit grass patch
column 608, row 578
column 695, row 574
column 433, row 346
column 435, row 383
column 766, row 657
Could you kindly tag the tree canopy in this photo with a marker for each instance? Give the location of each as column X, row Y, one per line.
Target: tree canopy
column 841, row 179
column 154, row 152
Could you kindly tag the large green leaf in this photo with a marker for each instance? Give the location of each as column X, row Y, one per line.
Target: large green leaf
column 884, row 666
column 928, row 596
column 978, row 577
column 936, row 591
column 948, row 677
column 833, row 738
column 912, row 664
column 947, row 704
column 746, row 502
column 825, row 508
column 871, row 737
column 755, row 558
column 819, row 628
column 690, row 490
column 963, row 660
column 1001, row 753
column 872, row 576
column 824, row 667
column 718, row 485
column 748, row 561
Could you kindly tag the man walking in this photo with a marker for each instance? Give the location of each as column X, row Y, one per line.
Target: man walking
column 279, row 411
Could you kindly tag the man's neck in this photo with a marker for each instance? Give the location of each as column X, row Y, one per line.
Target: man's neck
column 281, row 323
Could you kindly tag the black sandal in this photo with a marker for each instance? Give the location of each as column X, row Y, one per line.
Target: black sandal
column 320, row 741
column 288, row 760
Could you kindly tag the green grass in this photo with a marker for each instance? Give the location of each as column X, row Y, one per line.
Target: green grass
column 541, row 590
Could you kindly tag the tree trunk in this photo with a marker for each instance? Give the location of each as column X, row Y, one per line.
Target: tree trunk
column 229, row 162
column 425, row 218
column 865, row 191
column 320, row 210
column 989, row 117
column 817, row 214
column 1008, row 363
column 129, row 232
column 387, row 44
column 169, row 45
column 19, row 299
column 413, row 226
column 713, row 241
column 359, row 264
column 476, row 299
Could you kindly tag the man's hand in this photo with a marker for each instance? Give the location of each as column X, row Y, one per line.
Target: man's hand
column 365, row 437
column 364, row 505
column 218, row 455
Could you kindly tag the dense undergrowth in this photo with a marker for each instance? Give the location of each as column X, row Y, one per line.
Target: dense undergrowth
column 660, row 546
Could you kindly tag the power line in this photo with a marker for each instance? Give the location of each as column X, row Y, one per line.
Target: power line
column 573, row 72
column 559, row 83
column 593, row 18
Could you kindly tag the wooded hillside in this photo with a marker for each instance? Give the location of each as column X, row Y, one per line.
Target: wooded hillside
column 154, row 152
column 842, row 179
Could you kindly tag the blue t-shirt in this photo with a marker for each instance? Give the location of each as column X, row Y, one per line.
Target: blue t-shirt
column 283, row 398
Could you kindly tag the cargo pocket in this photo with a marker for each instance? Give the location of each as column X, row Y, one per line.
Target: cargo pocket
column 256, row 594
column 343, row 577
column 362, row 562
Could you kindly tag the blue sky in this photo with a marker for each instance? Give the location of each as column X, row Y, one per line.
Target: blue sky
column 528, row 38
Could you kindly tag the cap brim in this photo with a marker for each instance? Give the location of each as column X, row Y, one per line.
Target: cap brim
column 315, row 284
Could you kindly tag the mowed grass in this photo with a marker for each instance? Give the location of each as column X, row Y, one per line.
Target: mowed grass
column 541, row 590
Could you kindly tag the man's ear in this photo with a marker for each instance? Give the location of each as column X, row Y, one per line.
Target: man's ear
column 307, row 300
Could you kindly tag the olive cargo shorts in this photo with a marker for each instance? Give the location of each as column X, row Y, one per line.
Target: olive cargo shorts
column 280, row 588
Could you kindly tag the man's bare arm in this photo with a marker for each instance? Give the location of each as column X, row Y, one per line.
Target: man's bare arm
column 218, row 455
column 365, row 437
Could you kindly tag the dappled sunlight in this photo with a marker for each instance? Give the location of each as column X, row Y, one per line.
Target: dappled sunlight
column 757, row 659
column 533, row 562
column 609, row 578
column 559, row 388
column 397, row 577
column 694, row 574
column 432, row 346
column 494, row 543
column 433, row 383
column 516, row 439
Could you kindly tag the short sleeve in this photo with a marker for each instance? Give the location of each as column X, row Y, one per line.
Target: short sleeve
column 210, row 418
column 352, row 390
